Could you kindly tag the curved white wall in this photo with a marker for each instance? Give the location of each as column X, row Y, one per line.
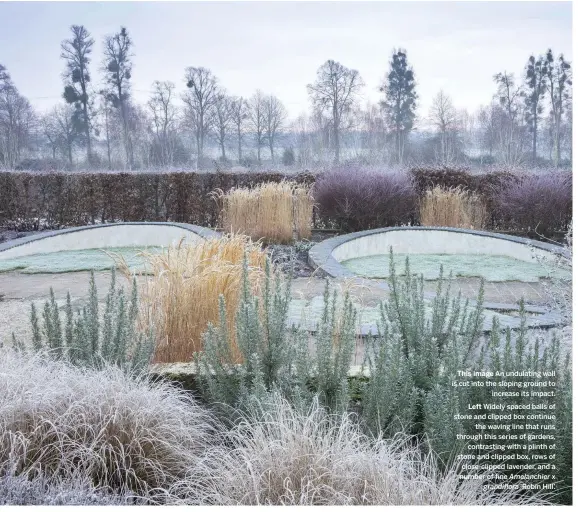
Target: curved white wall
column 115, row 235
column 435, row 242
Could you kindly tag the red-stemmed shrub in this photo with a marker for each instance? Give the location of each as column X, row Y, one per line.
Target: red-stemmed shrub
column 357, row 199
column 538, row 203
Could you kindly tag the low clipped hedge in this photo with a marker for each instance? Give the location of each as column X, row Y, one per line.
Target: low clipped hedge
column 347, row 199
column 75, row 199
column 535, row 203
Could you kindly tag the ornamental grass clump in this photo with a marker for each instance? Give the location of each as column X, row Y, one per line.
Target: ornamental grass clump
column 453, row 207
column 37, row 490
column 91, row 337
column 276, row 212
column 279, row 454
column 114, row 429
column 181, row 294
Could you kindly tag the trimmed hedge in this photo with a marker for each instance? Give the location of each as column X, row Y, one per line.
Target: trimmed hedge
column 348, row 199
column 537, row 203
column 75, row 199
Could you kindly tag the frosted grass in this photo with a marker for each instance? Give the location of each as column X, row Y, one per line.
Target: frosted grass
column 491, row 268
column 76, row 261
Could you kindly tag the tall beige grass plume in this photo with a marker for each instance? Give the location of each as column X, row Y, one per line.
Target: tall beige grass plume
column 181, row 293
column 275, row 212
column 452, row 207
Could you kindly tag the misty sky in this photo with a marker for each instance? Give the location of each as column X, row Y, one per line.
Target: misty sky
column 278, row 46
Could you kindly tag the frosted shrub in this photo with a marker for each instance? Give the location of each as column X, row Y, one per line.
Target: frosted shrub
column 416, row 356
column 537, row 203
column 86, row 338
column 408, row 356
column 110, row 428
column 507, row 351
column 559, row 289
column 275, row 356
column 356, row 199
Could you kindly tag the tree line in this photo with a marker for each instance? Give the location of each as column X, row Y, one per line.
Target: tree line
column 98, row 123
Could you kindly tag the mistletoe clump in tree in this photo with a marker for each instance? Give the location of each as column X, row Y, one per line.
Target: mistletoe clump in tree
column 76, row 52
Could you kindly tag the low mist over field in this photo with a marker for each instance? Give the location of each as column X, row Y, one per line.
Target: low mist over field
column 284, row 86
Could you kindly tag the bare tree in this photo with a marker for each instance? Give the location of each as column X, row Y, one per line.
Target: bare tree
column 50, row 131
column 106, row 111
column 488, row 119
column 76, row 52
column 64, row 129
column 302, row 139
column 118, row 69
column 275, row 116
column 536, row 85
column 444, row 117
column 558, row 82
column 373, row 130
column 257, row 119
column 223, row 120
column 139, row 123
column 5, row 80
column 163, row 114
column 16, row 121
column 335, row 92
column 200, row 102
column 511, row 127
column 239, row 115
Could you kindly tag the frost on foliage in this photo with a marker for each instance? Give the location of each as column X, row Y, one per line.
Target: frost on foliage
column 20, row 490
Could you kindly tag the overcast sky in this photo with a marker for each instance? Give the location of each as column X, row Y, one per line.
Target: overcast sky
column 278, row 46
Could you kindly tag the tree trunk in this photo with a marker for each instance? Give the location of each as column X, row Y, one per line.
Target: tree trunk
column 534, row 137
column 107, row 137
column 125, row 132
column 557, row 142
column 336, row 136
column 239, row 143
column 87, row 130
column 271, row 150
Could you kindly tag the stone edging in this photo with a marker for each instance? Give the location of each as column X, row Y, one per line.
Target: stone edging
column 320, row 257
column 203, row 232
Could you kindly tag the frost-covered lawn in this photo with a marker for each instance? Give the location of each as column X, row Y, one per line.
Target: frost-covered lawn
column 76, row 261
column 491, row 268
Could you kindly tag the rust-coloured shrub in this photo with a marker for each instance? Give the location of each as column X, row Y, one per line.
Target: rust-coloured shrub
column 358, row 199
